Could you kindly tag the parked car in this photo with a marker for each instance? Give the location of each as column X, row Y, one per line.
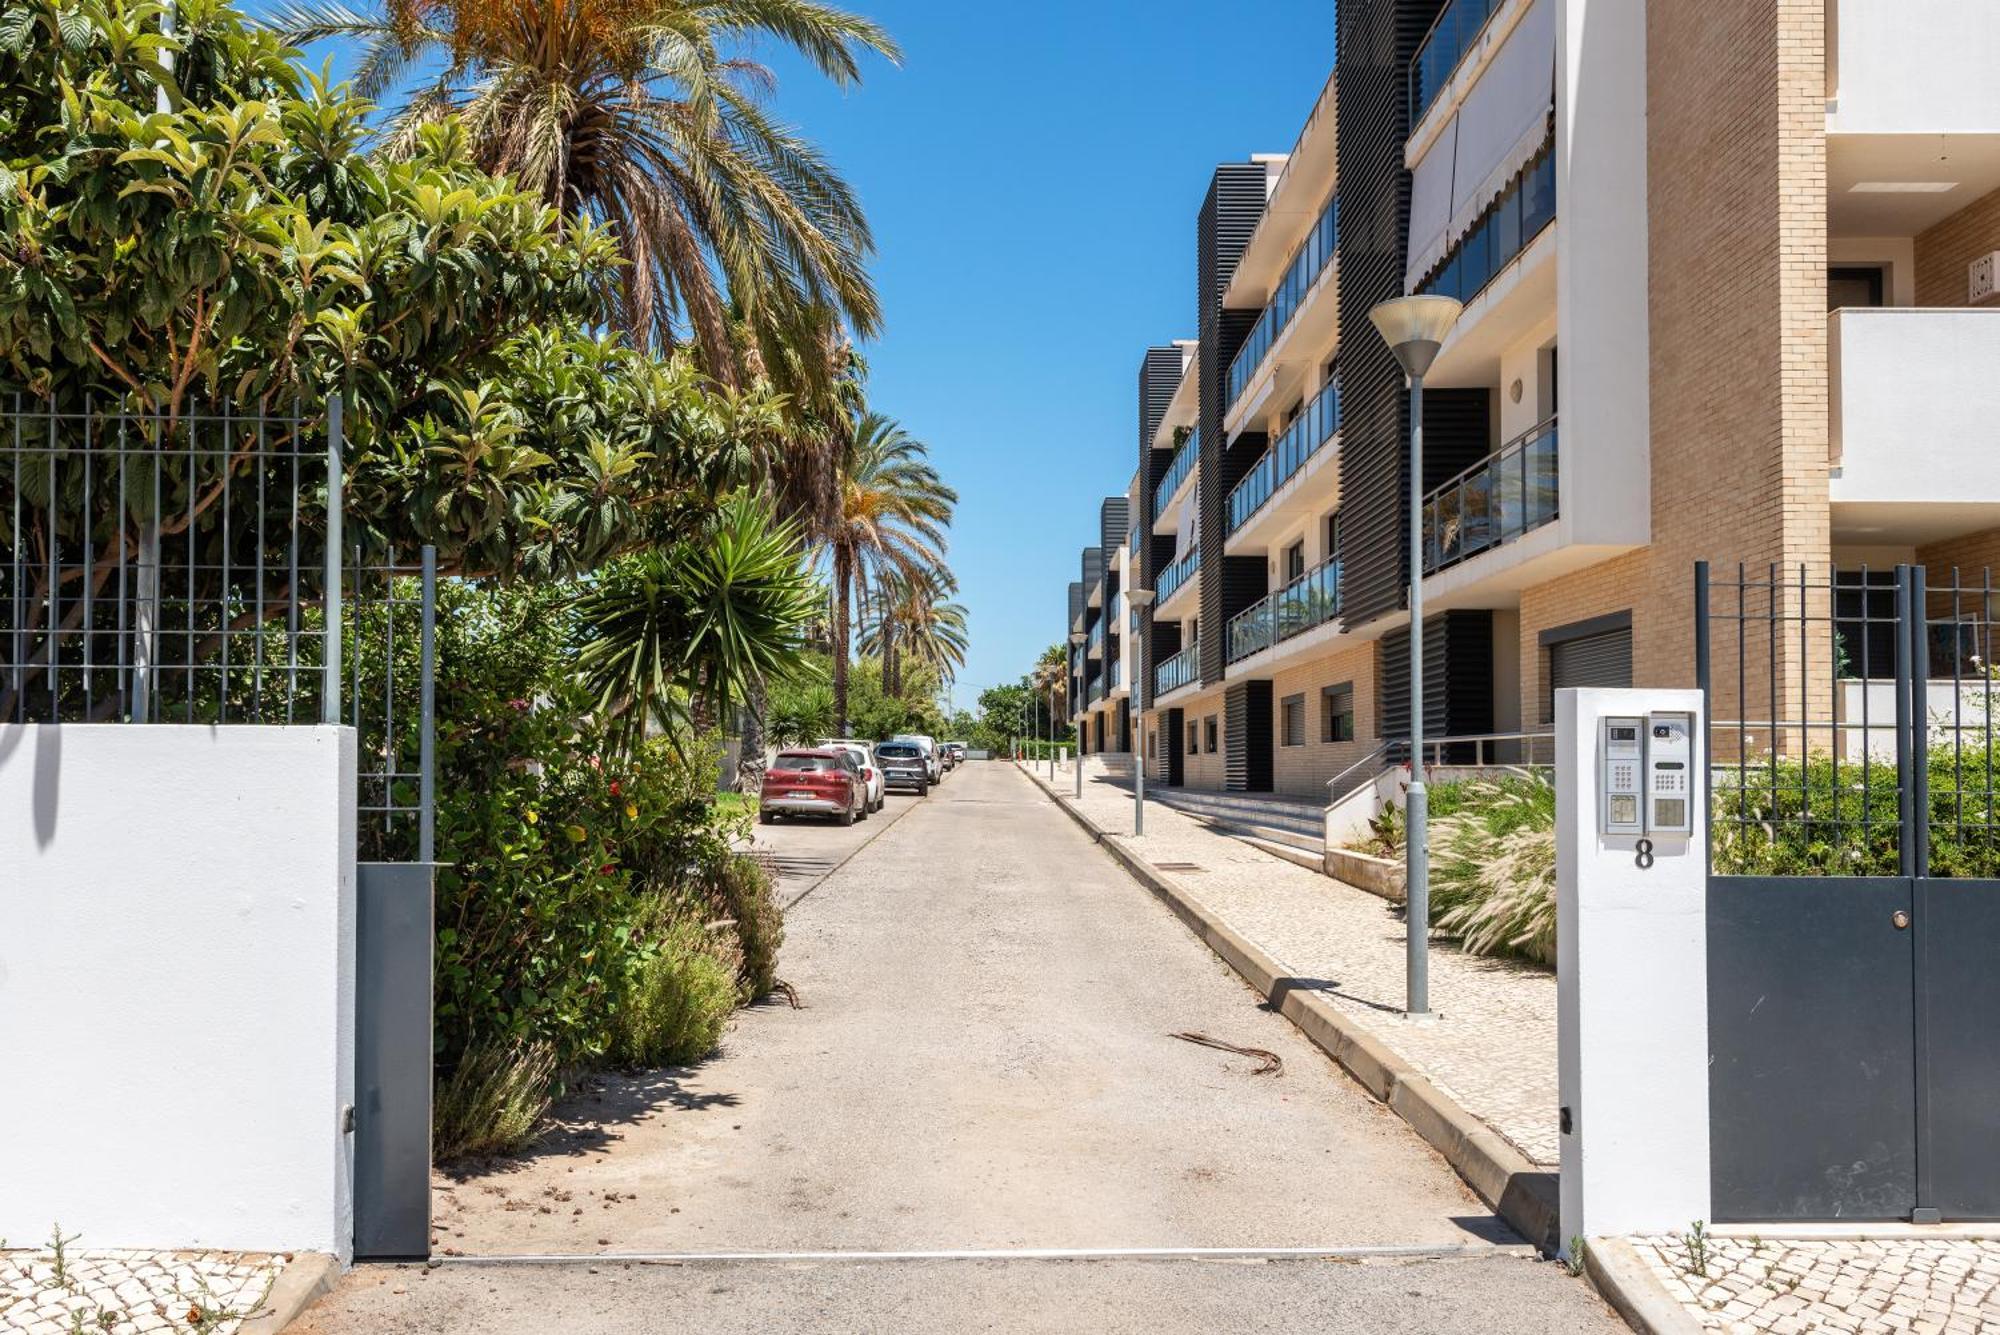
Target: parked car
column 956, row 750
column 823, row 781
column 904, row 766
column 864, row 760
column 932, row 761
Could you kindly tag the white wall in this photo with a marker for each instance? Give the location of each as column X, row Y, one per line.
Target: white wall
column 177, row 985
column 1913, row 67
column 1914, row 412
column 1601, row 259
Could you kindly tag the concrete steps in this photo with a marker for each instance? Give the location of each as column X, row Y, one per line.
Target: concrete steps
column 1265, row 818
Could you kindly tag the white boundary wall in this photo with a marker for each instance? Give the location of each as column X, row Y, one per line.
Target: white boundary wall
column 177, row 985
column 1631, row 993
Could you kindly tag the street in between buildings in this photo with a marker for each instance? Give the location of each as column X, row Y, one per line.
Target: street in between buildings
column 982, row 1065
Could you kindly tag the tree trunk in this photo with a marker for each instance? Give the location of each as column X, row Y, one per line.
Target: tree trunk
column 892, row 675
column 843, row 574
column 750, row 755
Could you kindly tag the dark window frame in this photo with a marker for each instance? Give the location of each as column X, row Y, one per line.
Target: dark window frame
column 1329, row 731
column 1285, row 716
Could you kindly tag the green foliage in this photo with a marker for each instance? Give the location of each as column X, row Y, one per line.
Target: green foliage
column 680, row 999
column 1493, row 868
column 491, row 1098
column 801, row 711
column 749, row 894
column 802, row 705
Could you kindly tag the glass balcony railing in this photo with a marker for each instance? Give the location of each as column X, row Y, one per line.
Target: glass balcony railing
column 1302, row 439
column 1443, row 49
column 1519, row 216
column 1510, row 492
column 1177, row 574
column 1312, row 256
column 1177, row 471
column 1117, row 674
column 1313, row 599
column 1093, row 647
column 1177, row 671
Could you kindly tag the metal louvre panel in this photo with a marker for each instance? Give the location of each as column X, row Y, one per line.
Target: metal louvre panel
column 1376, row 40
column 1159, row 376
column 1593, row 660
column 1246, row 737
column 1114, row 521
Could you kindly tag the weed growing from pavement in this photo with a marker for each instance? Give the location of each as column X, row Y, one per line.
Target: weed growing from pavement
column 1575, row 1259
column 1695, row 1242
column 200, row 1311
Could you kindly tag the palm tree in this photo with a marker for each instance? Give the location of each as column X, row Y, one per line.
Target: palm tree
column 894, row 509
column 911, row 619
column 696, row 622
column 1051, row 678
column 645, row 115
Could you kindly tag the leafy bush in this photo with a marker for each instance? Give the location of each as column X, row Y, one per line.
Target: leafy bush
column 749, row 892
column 492, row 1098
column 1493, row 868
column 681, row 996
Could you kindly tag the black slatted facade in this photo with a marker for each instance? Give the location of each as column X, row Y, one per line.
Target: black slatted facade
column 1229, row 215
column 1112, row 526
column 1377, row 39
column 1159, row 377
column 1457, row 704
column 1246, row 738
column 1172, row 730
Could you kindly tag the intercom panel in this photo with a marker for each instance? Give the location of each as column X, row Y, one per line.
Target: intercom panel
column 1670, row 774
column 1621, row 763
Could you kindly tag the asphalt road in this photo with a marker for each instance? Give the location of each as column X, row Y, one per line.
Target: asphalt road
column 984, row 1063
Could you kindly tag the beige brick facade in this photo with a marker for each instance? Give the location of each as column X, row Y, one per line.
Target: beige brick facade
column 1944, row 249
column 1303, row 771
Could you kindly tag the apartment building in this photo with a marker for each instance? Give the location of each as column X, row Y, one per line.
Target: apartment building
column 1729, row 285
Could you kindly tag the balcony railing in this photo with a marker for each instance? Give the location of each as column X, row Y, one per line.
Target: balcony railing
column 1177, row 471
column 1302, row 439
column 1303, row 270
column 1093, row 647
column 1313, row 599
column 1177, row 671
column 1443, row 49
column 1177, row 574
column 1516, row 219
column 1117, row 673
column 1505, row 495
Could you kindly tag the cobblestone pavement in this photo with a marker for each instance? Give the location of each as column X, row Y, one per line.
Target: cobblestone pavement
column 1493, row 1044
column 1787, row 1286
column 126, row 1292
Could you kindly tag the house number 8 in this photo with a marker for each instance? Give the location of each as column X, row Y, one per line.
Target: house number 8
column 1645, row 855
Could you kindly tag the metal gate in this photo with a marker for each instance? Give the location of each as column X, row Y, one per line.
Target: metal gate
column 1854, row 893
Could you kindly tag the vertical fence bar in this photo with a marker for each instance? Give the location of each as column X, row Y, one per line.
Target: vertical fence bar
column 336, row 501
column 1920, row 759
column 1905, row 747
column 427, row 719
column 1701, row 681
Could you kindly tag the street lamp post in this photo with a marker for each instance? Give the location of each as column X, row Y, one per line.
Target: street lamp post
column 1077, row 639
column 1414, row 328
column 1139, row 600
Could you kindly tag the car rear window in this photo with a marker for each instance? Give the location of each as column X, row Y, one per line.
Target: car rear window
column 899, row 751
column 794, row 761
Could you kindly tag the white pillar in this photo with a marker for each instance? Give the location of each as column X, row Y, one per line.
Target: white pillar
column 1632, row 990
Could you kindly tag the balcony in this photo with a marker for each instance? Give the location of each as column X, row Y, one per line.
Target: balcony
column 1312, row 257
column 1444, row 48
column 1177, row 574
column 1177, row 671
column 1516, row 219
column 1117, row 675
column 1302, row 439
column 1505, row 495
column 1177, row 472
column 1897, row 69
column 1912, row 404
column 1313, row 599
column 1093, row 646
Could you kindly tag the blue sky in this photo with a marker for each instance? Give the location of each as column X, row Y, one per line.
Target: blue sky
column 1032, row 175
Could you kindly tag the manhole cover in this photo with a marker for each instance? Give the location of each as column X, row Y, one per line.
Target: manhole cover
column 1178, row 866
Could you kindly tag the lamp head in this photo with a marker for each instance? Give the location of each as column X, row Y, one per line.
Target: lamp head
column 1414, row 328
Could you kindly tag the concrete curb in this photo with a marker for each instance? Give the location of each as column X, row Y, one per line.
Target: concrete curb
column 1522, row 1194
column 306, row 1278
column 1627, row 1283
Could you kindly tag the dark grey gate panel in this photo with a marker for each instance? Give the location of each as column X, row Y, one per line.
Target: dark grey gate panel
column 1810, row 1026
column 1958, row 981
column 392, row 1061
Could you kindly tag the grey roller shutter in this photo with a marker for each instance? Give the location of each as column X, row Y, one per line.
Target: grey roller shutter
column 1592, row 660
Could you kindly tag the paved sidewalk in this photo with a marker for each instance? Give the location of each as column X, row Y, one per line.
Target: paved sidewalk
column 127, row 1292
column 1492, row 1047
column 1951, row 1285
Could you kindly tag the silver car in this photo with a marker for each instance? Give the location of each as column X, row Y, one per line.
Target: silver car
column 904, row 766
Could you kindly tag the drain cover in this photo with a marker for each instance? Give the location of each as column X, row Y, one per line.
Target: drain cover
column 1178, row 866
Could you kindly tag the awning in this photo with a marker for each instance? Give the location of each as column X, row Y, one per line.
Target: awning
column 1501, row 125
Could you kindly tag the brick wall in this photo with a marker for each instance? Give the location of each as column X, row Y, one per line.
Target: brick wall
column 1304, row 770
column 1736, row 165
column 1944, row 249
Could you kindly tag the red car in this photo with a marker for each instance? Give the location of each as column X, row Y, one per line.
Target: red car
column 817, row 782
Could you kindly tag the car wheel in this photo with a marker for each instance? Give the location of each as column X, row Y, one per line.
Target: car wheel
column 923, row 790
column 847, row 816
column 767, row 818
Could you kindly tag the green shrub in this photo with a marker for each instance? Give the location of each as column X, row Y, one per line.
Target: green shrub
column 492, row 1098
column 680, row 998
column 749, row 892
column 1493, row 868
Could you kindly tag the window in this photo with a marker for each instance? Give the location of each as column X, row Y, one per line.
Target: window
column 1295, row 560
column 1853, row 285
column 1336, row 713
column 1208, row 731
column 1194, row 738
column 1292, row 721
column 1333, row 536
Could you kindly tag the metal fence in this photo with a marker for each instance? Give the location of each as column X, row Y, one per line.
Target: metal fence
column 1851, row 726
column 189, row 567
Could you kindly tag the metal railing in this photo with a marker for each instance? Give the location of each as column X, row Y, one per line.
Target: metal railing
column 1177, row 471
column 1177, row 671
column 1505, row 495
column 1313, row 599
column 1093, row 645
column 1313, row 428
column 1443, row 50
column 1477, row 750
column 1311, row 258
column 1176, row 575
column 1117, row 674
